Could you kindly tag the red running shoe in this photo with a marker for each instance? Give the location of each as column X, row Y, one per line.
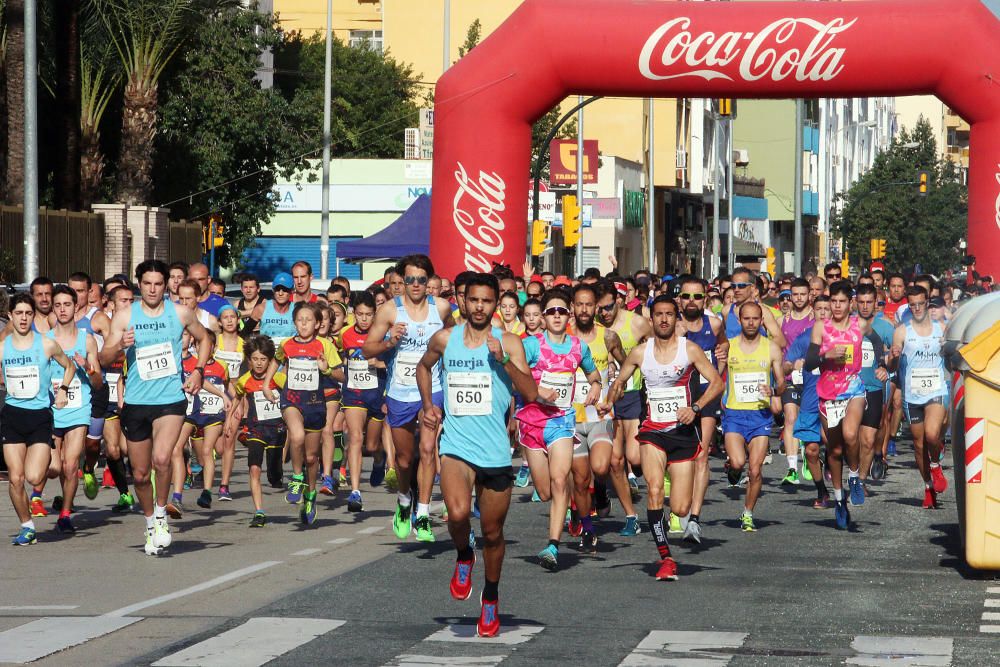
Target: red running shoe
column 38, row 507
column 489, row 619
column 107, row 482
column 667, row 571
column 930, row 499
column 574, row 528
column 938, row 479
column 461, row 579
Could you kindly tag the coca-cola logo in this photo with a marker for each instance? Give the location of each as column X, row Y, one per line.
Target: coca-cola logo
column 673, row 51
column 482, row 230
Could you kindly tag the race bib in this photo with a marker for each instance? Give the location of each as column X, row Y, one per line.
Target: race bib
column 232, row 360
column 867, row 354
column 470, row 394
column 581, row 388
column 835, row 411
column 360, row 375
column 210, row 403
column 266, row 410
column 156, row 361
column 797, row 378
column 664, row 402
column 925, row 381
column 74, row 398
column 23, row 381
column 111, row 379
column 405, row 368
column 747, row 387
column 562, row 384
column 303, row 375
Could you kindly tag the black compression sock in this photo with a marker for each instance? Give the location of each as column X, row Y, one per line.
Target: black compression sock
column 820, row 488
column 655, row 520
column 117, row 468
column 466, row 553
column 601, row 492
column 491, row 591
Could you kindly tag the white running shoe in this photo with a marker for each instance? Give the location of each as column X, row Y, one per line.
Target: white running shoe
column 151, row 548
column 161, row 532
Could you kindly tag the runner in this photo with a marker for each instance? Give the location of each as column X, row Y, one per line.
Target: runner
column 403, row 327
column 799, row 319
column 754, row 362
column 229, row 352
column 274, row 315
column 669, row 435
column 120, row 299
column 744, row 291
column 302, row 274
column 207, row 300
column 481, row 366
column 26, row 417
column 154, row 405
column 250, row 289
column 178, row 274
column 916, row 351
column 531, row 313
column 874, row 352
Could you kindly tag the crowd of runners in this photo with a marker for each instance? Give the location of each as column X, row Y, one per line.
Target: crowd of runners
column 590, row 383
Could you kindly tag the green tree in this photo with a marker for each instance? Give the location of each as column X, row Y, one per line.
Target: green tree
column 472, row 37
column 884, row 203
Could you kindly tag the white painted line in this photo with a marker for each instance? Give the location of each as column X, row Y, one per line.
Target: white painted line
column 370, row 530
column 991, row 603
column 341, row 540
column 909, row 651
column 45, row 636
column 993, row 590
column 411, row 660
column 307, row 552
column 254, row 643
column 989, row 628
column 197, row 588
column 693, row 649
column 991, row 616
column 509, row 634
column 40, row 607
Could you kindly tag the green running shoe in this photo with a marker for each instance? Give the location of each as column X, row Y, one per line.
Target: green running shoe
column 424, row 532
column 746, row 522
column 391, row 482
column 307, row 513
column 675, row 524
column 90, row 485
column 806, row 475
column 792, row 478
column 401, row 521
column 666, row 484
column 124, row 504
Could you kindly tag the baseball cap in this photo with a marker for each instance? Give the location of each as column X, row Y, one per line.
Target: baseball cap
column 536, row 279
column 937, row 302
column 621, row 288
column 282, row 280
column 563, row 281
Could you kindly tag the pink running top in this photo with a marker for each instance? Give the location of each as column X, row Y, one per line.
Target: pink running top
column 838, row 377
column 553, row 370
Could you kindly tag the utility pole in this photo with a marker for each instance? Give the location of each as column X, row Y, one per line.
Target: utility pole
column 447, row 37
column 729, row 192
column 30, row 143
column 797, row 206
column 716, row 262
column 651, row 213
column 324, row 220
column 579, row 183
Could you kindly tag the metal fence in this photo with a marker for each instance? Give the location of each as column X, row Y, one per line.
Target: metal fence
column 68, row 241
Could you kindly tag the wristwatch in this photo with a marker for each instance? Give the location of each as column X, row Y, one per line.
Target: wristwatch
column 696, row 408
column 64, row 388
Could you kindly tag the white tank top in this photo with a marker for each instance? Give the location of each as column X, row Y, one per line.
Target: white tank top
column 667, row 386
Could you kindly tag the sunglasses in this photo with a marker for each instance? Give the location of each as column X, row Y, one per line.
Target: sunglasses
column 692, row 296
column 833, row 276
column 420, row 280
column 447, row 293
column 741, row 285
column 608, row 308
column 280, row 288
column 556, row 310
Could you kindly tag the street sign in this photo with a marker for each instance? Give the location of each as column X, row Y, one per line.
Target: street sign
column 546, row 206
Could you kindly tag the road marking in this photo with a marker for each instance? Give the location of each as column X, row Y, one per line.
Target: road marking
column 464, row 632
column 993, row 590
column 412, row 660
column 341, row 540
column 991, row 603
column 989, row 628
column 991, row 616
column 253, row 643
column 909, row 651
column 691, row 649
column 307, row 552
column 197, row 588
column 45, row 636
column 370, row 530
column 40, row 607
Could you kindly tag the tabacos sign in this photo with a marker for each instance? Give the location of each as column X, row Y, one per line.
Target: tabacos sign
column 803, row 49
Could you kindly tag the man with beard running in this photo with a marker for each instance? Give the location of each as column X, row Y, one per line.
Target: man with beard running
column 799, row 320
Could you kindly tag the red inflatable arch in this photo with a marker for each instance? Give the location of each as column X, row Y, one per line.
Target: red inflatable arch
column 549, row 49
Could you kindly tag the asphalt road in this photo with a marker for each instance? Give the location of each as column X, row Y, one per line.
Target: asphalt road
column 892, row 591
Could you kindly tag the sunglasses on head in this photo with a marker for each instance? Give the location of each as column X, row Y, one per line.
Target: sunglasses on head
column 741, row 285
column 692, row 296
column 556, row 310
column 420, row 280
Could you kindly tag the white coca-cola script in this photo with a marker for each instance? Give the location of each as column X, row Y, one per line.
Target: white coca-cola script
column 483, row 229
column 776, row 51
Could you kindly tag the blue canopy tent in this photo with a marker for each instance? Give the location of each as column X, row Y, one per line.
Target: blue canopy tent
column 409, row 234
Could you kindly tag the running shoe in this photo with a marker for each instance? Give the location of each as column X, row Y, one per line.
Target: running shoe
column 378, row 474
column 535, row 498
column 768, row 459
column 65, row 525
column 549, row 558
column 326, row 487
column 588, row 542
column 891, row 449
column 124, row 504
column 107, row 481
column 693, row 532
column 189, row 482
column 24, row 537
column 733, row 476
column 354, row 503
column 401, row 524
column 633, row 487
column 744, row 479
column 259, row 520
column 667, row 570
column 461, row 579
column 827, row 476
column 205, row 499
column 523, row 476
column 841, row 514
column 475, row 508
column 631, row 527
column 857, row 491
column 391, row 482
column 307, row 513
column 666, row 484
column 603, row 512
column 151, row 548
column 294, row 494
column 340, row 480
column 574, row 528
column 161, row 532
column 791, row 478
column 878, row 468
column 822, row 503
column 930, row 499
column 174, row 509
column 38, row 507
column 489, row 619
column 807, row 476
column 746, row 522
column 939, row 481
column 224, row 494
column 90, row 488
column 424, row 529
column 472, row 538
column 674, row 525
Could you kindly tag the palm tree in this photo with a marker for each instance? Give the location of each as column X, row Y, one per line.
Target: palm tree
column 14, row 69
column 97, row 87
column 66, row 20
column 3, row 102
column 146, row 34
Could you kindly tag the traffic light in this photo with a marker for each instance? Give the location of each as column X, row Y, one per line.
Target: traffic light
column 877, row 247
column 539, row 237
column 771, row 263
column 845, row 266
column 216, row 221
column 922, row 182
column 571, row 220
column 727, row 107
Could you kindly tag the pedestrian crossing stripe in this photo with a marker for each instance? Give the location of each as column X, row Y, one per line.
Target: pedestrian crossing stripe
column 690, row 648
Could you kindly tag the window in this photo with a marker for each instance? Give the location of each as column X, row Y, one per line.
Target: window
column 371, row 39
